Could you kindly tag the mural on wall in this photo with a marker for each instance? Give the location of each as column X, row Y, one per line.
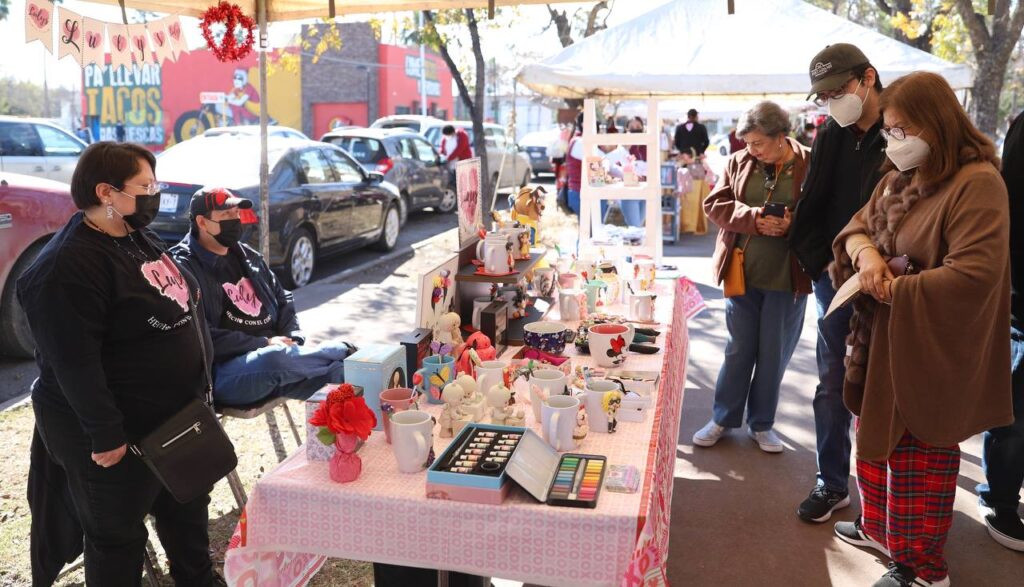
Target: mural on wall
column 128, row 96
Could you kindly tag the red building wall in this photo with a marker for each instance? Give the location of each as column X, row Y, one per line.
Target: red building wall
column 399, row 82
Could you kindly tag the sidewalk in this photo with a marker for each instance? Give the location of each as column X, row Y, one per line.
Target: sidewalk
column 734, row 507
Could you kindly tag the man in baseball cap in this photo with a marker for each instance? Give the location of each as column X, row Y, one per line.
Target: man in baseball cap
column 258, row 348
column 847, row 153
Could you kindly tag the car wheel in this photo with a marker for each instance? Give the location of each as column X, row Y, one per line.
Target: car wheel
column 301, row 259
column 389, row 235
column 15, row 336
column 404, row 208
column 447, row 203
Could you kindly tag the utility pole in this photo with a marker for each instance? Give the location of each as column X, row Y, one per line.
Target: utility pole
column 46, row 88
column 423, row 66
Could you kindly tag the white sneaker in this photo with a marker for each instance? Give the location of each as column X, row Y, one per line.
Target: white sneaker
column 767, row 440
column 709, row 434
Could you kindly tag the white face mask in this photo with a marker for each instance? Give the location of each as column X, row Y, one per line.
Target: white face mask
column 909, row 153
column 847, row 109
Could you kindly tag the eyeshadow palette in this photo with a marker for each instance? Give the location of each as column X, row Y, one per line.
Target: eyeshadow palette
column 473, row 467
column 481, row 452
column 572, row 480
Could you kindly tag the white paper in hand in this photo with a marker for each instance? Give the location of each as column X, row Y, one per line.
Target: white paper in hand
column 849, row 290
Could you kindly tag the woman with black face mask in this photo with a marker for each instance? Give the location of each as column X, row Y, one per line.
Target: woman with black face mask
column 118, row 354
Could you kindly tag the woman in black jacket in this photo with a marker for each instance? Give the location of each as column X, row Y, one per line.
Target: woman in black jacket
column 118, row 355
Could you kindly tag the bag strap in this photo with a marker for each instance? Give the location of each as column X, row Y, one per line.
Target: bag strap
column 192, row 304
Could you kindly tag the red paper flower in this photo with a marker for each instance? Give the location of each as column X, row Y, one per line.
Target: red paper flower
column 345, row 413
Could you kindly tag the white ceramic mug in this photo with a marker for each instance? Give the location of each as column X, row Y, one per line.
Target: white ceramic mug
column 478, row 306
column 495, row 255
column 558, row 420
column 412, row 437
column 585, row 269
column 544, row 281
column 571, row 302
column 646, row 270
column 641, row 306
column 592, row 401
column 489, row 374
column 545, row 383
column 609, row 343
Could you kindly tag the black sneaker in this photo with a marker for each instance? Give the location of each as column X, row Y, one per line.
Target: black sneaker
column 1005, row 527
column 820, row 504
column 853, row 533
column 903, row 576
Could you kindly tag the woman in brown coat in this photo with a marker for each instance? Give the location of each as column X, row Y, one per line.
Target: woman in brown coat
column 751, row 205
column 929, row 358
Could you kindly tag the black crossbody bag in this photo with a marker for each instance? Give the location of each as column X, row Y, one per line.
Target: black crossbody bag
column 189, row 452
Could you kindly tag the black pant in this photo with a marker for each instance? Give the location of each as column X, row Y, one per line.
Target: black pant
column 112, row 504
column 395, row 576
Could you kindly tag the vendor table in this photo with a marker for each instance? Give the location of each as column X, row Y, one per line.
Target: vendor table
column 296, row 516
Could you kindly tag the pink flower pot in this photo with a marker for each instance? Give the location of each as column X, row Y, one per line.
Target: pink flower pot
column 345, row 466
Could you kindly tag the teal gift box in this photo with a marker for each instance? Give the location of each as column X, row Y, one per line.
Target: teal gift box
column 376, row 367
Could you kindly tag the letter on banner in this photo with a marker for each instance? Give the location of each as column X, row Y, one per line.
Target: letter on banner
column 178, row 43
column 161, row 40
column 92, row 42
column 69, row 35
column 120, row 49
column 39, row 17
column 139, row 44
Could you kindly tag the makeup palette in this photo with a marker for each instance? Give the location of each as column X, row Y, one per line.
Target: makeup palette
column 473, row 466
column 572, row 480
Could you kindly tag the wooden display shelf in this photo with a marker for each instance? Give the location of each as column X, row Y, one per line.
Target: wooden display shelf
column 467, row 272
column 538, row 310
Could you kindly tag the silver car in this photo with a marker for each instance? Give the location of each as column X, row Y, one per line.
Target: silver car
column 35, row 147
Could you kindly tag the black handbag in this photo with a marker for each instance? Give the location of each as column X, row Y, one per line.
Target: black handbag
column 189, row 452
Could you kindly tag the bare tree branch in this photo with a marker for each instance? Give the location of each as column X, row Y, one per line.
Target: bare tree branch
column 975, row 24
column 592, row 17
column 884, row 7
column 562, row 26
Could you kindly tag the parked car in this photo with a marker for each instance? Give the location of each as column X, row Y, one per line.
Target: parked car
column 249, row 129
column 535, row 145
column 516, row 171
column 720, row 143
column 35, row 147
column 406, row 159
column 321, row 200
column 31, row 210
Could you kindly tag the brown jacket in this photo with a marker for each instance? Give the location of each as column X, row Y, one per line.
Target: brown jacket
column 726, row 208
column 939, row 356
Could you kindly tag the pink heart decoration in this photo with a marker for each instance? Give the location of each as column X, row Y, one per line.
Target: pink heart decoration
column 243, row 296
column 175, row 30
column 39, row 15
column 140, row 42
column 93, row 40
column 120, row 43
column 163, row 275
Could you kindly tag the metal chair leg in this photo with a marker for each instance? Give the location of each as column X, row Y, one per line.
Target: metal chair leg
column 275, row 436
column 291, row 422
column 237, row 489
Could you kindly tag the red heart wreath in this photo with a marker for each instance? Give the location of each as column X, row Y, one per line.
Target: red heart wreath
column 231, row 16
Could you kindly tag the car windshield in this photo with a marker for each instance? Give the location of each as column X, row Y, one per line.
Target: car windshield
column 434, row 135
column 236, row 158
column 409, row 124
column 362, row 149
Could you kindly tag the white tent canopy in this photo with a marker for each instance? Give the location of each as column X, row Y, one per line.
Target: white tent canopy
column 694, row 48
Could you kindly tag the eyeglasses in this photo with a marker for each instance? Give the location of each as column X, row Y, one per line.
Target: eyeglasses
column 151, row 189
column 821, row 100
column 893, row 133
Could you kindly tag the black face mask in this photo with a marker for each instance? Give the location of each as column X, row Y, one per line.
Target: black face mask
column 146, row 207
column 230, row 232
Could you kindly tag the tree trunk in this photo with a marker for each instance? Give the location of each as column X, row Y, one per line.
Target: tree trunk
column 988, row 85
column 487, row 183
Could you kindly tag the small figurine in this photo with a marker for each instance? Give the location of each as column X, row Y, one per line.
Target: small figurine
column 511, row 257
column 497, row 399
column 527, row 207
column 473, row 403
column 515, row 415
column 446, row 331
column 452, row 414
column 582, row 427
column 519, row 304
column 629, row 175
column 477, row 349
column 524, row 244
column 610, row 403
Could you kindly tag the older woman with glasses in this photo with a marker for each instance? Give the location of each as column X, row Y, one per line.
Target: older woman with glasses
column 751, row 206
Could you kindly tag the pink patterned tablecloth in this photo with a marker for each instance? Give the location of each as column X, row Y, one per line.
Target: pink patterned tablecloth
column 296, row 516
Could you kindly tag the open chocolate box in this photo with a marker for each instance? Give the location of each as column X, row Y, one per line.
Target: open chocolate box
column 477, row 465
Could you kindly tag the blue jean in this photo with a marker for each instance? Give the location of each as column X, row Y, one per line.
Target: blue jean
column 573, row 201
column 1002, row 455
column 295, row 372
column 764, row 328
column 633, row 211
column 831, row 417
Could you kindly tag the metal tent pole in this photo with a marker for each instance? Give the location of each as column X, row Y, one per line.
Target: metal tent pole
column 261, row 18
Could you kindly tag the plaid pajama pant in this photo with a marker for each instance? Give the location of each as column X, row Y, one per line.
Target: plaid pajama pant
column 907, row 503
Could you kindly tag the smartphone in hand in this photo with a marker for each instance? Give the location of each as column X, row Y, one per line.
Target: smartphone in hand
column 775, row 209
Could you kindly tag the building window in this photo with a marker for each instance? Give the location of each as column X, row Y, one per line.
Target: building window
column 400, row 110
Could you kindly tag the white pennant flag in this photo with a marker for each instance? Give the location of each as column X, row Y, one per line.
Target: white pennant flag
column 39, row 17
column 139, row 44
column 70, row 39
column 120, row 45
column 161, row 40
column 176, row 35
column 93, row 50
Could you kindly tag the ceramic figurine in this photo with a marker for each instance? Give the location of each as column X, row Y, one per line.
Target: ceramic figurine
column 452, row 413
column 629, row 175
column 582, row 427
column 515, row 415
column 610, row 403
column 477, row 349
column 498, row 398
column 524, row 244
column 527, row 208
column 446, row 331
column 473, row 403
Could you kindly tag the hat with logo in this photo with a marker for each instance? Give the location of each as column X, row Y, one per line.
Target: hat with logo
column 207, row 200
column 831, row 67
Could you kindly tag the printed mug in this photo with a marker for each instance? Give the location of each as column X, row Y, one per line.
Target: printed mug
column 609, row 343
column 437, row 371
column 545, row 383
column 489, row 374
column 572, row 304
column 392, row 401
column 641, row 306
column 593, row 398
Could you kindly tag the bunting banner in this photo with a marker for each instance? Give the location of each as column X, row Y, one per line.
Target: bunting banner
column 93, row 50
column 139, row 44
column 70, row 39
column 176, row 36
column 39, row 17
column 161, row 40
column 120, row 45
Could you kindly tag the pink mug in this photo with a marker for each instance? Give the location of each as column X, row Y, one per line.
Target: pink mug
column 566, row 280
column 398, row 399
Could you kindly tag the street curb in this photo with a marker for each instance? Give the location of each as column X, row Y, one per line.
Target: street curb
column 342, row 276
column 16, row 402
